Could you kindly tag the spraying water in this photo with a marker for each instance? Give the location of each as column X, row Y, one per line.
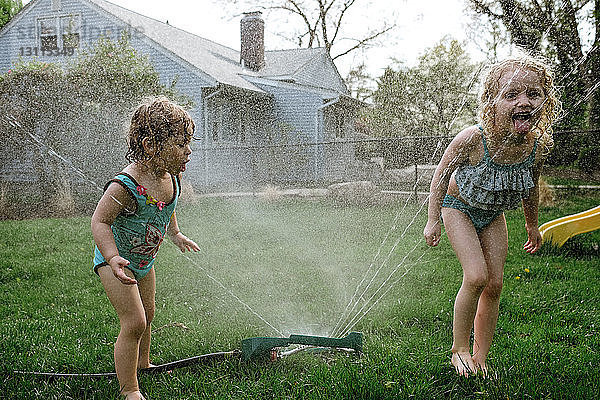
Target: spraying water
column 370, row 289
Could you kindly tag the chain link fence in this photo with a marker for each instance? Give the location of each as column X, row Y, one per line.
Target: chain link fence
column 384, row 161
column 393, row 163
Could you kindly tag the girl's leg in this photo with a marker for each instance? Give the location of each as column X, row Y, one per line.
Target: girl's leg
column 147, row 287
column 494, row 242
column 465, row 242
column 128, row 304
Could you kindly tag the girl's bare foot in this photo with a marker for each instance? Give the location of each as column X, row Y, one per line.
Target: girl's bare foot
column 482, row 367
column 149, row 365
column 463, row 363
column 135, row 395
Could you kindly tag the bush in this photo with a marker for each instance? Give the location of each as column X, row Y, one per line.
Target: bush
column 589, row 159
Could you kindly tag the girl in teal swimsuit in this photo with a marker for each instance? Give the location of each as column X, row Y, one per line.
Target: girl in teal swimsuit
column 135, row 212
column 485, row 170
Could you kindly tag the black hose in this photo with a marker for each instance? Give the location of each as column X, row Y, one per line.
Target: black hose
column 223, row 355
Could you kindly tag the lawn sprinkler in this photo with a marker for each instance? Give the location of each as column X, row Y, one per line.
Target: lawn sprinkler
column 262, row 347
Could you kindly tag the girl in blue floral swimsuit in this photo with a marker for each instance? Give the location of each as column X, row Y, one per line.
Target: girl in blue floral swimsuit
column 130, row 221
column 485, row 170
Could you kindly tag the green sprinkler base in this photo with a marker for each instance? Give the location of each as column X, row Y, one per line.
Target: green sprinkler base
column 260, row 347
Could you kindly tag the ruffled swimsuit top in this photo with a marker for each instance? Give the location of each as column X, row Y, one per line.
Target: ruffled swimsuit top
column 489, row 185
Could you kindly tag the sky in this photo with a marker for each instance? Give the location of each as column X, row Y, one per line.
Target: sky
column 420, row 25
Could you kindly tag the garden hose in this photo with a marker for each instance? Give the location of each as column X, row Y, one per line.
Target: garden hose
column 205, row 358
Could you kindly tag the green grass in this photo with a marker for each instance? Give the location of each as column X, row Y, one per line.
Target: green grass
column 552, row 180
column 296, row 264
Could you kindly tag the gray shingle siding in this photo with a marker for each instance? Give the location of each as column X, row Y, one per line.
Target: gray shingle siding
column 24, row 32
column 298, row 120
column 96, row 22
column 299, row 110
column 271, row 152
column 282, row 148
column 17, row 166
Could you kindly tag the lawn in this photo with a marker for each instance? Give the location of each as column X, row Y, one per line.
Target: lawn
column 273, row 268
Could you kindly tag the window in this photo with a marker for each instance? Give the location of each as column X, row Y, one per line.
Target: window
column 226, row 122
column 69, row 29
column 48, row 33
column 59, row 32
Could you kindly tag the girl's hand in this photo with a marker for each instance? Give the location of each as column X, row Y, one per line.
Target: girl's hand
column 117, row 264
column 184, row 243
column 534, row 241
column 433, row 232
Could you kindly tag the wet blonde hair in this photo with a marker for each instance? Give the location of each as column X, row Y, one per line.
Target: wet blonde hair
column 552, row 105
column 157, row 119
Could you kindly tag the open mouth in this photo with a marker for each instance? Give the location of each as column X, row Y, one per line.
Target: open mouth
column 184, row 165
column 522, row 121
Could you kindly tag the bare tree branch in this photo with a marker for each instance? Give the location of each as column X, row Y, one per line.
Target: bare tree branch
column 580, row 4
column 481, row 7
column 323, row 21
column 338, row 23
column 362, row 42
column 311, row 29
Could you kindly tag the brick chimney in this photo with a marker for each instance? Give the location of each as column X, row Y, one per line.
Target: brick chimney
column 252, row 28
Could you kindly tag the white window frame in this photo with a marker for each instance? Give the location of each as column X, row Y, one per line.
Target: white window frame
column 59, row 29
column 76, row 19
column 41, row 35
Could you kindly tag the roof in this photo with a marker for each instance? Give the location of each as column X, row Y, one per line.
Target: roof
column 218, row 61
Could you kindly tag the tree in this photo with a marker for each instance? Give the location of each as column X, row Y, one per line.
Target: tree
column 488, row 36
column 555, row 28
column 8, row 9
column 321, row 23
column 435, row 98
column 359, row 81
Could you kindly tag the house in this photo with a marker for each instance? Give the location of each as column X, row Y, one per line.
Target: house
column 261, row 116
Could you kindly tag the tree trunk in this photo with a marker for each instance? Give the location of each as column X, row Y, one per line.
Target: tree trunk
column 593, row 69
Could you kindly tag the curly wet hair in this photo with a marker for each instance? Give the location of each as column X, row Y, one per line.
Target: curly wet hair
column 552, row 107
column 157, row 119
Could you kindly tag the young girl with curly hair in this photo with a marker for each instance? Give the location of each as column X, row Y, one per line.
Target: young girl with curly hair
column 129, row 223
column 486, row 169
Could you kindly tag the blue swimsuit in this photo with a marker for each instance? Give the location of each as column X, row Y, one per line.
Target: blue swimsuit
column 139, row 233
column 488, row 188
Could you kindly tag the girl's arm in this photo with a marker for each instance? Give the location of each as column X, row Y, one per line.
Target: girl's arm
column 530, row 209
column 112, row 203
column 456, row 154
column 179, row 239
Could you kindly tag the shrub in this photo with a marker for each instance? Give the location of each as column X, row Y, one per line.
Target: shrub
column 589, row 159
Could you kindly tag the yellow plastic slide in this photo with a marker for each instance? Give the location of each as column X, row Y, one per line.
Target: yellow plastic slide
column 560, row 230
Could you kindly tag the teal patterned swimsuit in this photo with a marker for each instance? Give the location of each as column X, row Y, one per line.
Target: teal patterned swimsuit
column 488, row 188
column 139, row 233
